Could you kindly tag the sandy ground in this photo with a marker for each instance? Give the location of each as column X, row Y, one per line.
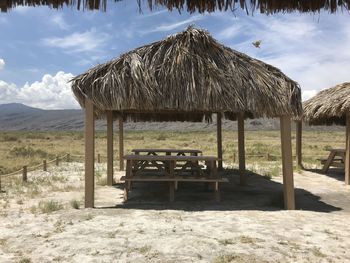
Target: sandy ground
column 249, row 224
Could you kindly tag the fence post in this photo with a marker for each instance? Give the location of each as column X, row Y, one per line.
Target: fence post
column 99, row 158
column 44, row 166
column 24, row 174
column 268, row 156
column 57, row 160
column 68, row 158
column 234, row 157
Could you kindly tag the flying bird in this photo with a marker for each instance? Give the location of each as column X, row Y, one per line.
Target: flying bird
column 257, row 43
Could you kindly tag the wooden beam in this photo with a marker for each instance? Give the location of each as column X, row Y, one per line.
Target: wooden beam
column 347, row 153
column 298, row 138
column 121, row 144
column 109, row 115
column 241, row 149
column 287, row 162
column 219, row 139
column 89, row 154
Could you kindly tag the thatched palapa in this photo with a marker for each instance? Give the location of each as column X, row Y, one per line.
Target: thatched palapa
column 329, row 106
column 187, row 76
column 264, row 6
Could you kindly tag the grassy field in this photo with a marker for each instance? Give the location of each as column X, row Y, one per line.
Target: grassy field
column 30, row 148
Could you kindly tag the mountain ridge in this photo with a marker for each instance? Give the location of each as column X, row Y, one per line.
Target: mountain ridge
column 20, row 117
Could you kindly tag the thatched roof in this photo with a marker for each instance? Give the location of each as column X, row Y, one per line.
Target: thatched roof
column 185, row 75
column 329, row 106
column 264, row 6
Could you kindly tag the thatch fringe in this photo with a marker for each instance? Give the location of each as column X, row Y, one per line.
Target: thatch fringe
column 188, row 73
column 329, row 106
column 201, row 6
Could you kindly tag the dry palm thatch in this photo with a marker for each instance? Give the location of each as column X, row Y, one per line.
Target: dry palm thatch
column 188, row 76
column 329, row 106
column 264, row 6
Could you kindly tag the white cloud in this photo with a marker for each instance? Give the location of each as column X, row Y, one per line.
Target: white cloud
column 2, row 63
column 52, row 92
column 168, row 27
column 307, row 94
column 59, row 21
column 79, row 42
column 308, row 50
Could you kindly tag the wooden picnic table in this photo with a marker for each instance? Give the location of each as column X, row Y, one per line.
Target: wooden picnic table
column 335, row 158
column 184, row 152
column 172, row 169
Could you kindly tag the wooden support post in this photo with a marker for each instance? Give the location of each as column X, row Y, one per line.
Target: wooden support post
column 298, row 140
column 287, row 162
column 44, row 166
column 24, row 174
column 89, row 154
column 121, row 144
column 98, row 158
column 219, row 138
column 57, row 160
column 171, row 191
column 241, row 149
column 109, row 148
column 68, row 158
column 216, row 192
column 347, row 153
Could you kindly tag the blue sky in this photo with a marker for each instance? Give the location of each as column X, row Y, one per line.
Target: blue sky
column 41, row 49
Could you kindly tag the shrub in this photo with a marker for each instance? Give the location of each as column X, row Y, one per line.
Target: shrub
column 49, row 206
column 75, row 204
column 27, row 151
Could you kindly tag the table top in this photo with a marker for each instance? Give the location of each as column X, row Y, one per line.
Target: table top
column 169, row 158
column 167, row 150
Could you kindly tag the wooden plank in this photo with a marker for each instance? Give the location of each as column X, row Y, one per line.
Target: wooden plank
column 287, row 162
column 241, row 149
column 109, row 115
column 219, row 138
column 171, row 191
column 216, row 192
column 89, row 154
column 121, row 144
column 299, row 130
column 168, row 158
column 347, row 154
column 329, row 161
column 150, row 178
column 144, row 150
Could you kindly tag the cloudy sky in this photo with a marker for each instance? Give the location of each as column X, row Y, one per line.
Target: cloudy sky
column 42, row 49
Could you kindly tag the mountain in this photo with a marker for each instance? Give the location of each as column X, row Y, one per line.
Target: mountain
column 19, row 117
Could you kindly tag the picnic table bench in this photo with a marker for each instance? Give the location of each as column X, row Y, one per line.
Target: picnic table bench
column 335, row 158
column 171, row 169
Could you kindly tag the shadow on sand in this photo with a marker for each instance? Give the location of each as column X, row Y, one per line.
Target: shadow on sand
column 335, row 173
column 260, row 193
